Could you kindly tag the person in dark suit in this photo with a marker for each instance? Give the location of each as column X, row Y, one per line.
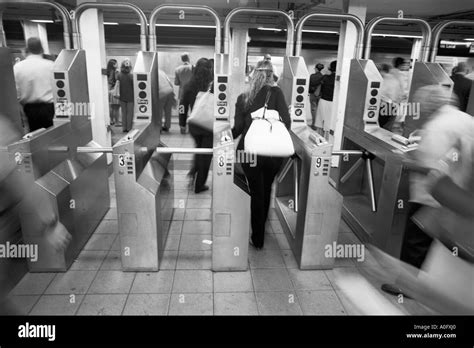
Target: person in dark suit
column 260, row 176
column 315, row 94
column 200, row 82
column 462, row 85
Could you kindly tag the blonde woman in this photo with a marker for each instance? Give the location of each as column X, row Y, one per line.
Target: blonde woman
column 260, row 176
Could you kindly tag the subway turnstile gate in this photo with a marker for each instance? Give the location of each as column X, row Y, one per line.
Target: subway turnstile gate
column 143, row 181
column 376, row 199
column 308, row 207
column 76, row 184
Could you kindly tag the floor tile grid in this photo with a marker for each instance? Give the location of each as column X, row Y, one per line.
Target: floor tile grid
column 40, row 296
column 96, row 273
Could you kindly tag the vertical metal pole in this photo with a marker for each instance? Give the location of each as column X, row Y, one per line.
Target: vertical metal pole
column 296, row 182
column 370, row 177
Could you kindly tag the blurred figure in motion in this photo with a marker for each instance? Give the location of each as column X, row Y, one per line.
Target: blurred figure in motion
column 125, row 78
column 183, row 74
column 462, row 85
column 400, row 71
column 34, row 86
column 446, row 128
column 13, row 191
column 201, row 81
column 325, row 104
column 167, row 100
column 114, row 102
column 315, row 94
column 391, row 95
column 260, row 176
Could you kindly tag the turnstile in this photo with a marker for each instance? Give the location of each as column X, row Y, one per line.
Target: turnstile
column 230, row 195
column 376, row 196
column 75, row 184
column 143, row 181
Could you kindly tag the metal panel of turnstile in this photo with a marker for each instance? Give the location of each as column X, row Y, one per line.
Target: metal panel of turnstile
column 230, row 192
column 143, row 179
column 308, row 207
column 376, row 201
column 76, row 184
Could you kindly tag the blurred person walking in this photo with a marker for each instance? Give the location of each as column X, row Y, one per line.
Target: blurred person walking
column 447, row 128
column 183, row 75
column 462, row 85
column 125, row 79
column 315, row 95
column 200, row 82
column 325, row 104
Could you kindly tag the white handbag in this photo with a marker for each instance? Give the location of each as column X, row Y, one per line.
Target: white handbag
column 202, row 113
column 267, row 135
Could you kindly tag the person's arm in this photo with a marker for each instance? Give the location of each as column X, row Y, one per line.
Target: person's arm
column 453, row 197
column 282, row 107
column 239, row 118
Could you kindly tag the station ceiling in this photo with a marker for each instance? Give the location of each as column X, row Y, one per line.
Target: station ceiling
column 431, row 10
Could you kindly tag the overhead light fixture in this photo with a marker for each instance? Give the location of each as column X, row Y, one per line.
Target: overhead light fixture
column 401, row 35
column 270, row 29
column 457, row 43
column 321, row 31
column 111, row 23
column 42, row 21
column 183, row 25
column 470, row 39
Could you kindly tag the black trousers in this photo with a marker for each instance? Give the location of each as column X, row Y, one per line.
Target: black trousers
column 260, row 179
column 416, row 243
column 39, row 115
column 203, row 139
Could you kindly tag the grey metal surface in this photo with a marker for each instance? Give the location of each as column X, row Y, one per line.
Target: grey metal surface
column 315, row 223
column 76, row 32
column 330, row 16
column 290, row 32
column 195, row 8
column 294, row 82
column 143, row 179
column 425, row 32
column 230, row 194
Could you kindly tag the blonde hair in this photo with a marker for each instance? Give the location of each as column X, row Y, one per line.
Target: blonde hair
column 262, row 76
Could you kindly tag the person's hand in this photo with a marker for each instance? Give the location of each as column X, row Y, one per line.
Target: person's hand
column 58, row 236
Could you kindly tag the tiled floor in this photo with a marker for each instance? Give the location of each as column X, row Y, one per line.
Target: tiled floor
column 185, row 285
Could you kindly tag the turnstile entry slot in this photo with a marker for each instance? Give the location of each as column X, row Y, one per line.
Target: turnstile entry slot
column 34, row 134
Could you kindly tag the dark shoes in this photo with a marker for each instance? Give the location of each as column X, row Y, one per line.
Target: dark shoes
column 164, row 129
column 252, row 244
column 201, row 189
column 393, row 290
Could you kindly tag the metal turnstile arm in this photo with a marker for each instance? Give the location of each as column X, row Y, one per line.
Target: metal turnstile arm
column 85, row 149
column 206, row 151
column 368, row 167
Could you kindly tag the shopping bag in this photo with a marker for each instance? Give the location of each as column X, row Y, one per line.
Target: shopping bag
column 202, row 113
column 267, row 135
